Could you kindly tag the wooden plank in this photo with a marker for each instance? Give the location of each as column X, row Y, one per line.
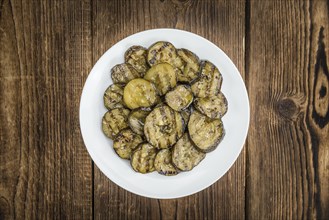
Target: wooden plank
column 223, row 23
column 318, row 105
column 45, row 56
column 288, row 81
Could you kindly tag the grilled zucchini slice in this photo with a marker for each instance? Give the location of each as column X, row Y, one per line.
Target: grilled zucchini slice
column 210, row 81
column 136, row 120
column 140, row 93
column 163, row 76
column 206, row 133
column 123, row 73
column 114, row 121
column 190, row 71
column 184, row 155
column 142, row 159
column 113, row 97
column 213, row 107
column 163, row 127
column 125, row 142
column 179, row 98
column 163, row 52
column 163, row 163
column 136, row 56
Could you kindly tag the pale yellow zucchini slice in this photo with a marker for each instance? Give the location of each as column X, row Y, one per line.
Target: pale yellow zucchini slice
column 163, row 76
column 140, row 93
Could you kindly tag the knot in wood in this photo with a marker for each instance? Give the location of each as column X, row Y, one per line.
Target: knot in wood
column 287, row 108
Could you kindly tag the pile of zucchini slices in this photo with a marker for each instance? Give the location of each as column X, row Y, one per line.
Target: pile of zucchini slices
column 164, row 109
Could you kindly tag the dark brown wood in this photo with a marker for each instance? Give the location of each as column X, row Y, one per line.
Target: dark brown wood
column 47, row 49
column 288, row 82
column 114, row 20
column 45, row 57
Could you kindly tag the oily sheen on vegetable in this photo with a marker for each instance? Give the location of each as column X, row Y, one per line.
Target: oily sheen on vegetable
column 164, row 108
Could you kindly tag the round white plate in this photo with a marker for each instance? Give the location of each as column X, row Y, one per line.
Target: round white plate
column 154, row 185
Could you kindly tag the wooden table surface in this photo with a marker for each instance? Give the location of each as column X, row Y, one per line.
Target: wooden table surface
column 47, row 49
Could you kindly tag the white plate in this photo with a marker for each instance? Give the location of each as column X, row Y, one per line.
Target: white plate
column 154, row 185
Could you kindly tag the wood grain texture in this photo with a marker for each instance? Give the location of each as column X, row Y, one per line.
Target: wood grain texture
column 288, row 145
column 45, row 58
column 223, row 200
column 48, row 47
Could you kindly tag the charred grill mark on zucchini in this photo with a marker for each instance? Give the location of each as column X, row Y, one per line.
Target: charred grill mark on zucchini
column 139, row 93
column 114, row 121
column 190, row 68
column 142, row 159
column 213, row 106
column 125, row 142
column 123, row 73
column 136, row 56
column 206, row 133
column 164, row 52
column 163, row 76
column 113, row 97
column 163, row 126
column 209, row 83
column 179, row 98
column 184, row 154
column 163, row 163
